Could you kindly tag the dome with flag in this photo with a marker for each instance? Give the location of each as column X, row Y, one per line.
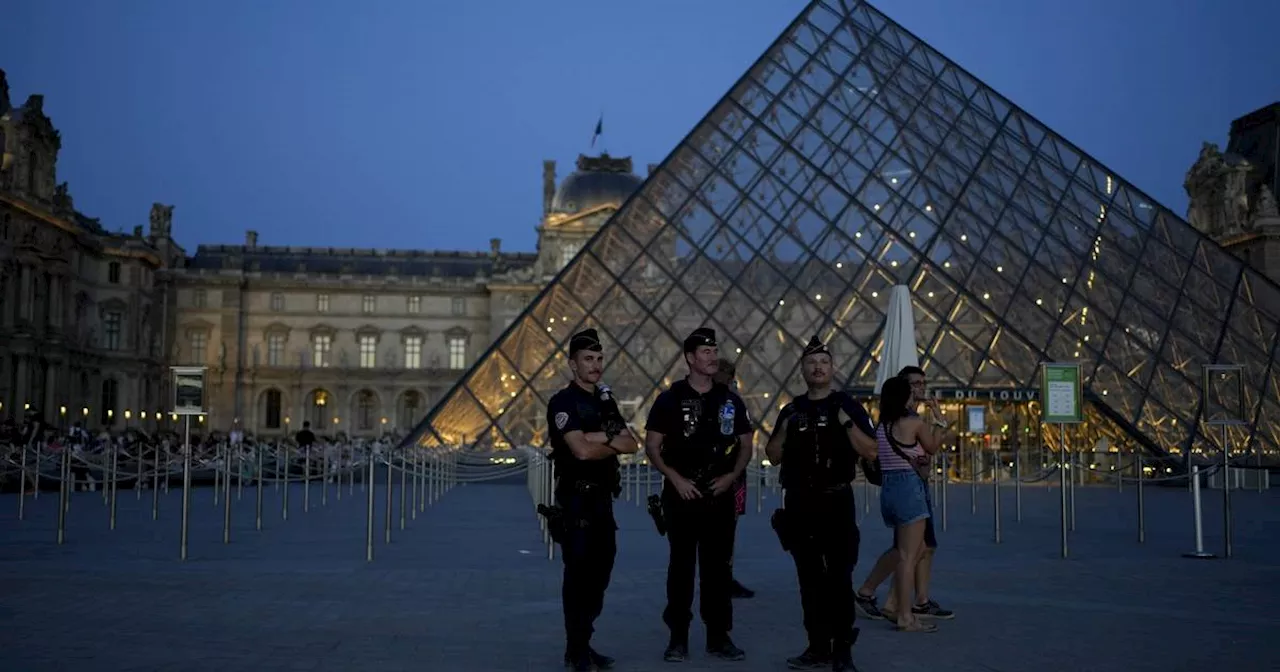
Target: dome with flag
column 599, row 180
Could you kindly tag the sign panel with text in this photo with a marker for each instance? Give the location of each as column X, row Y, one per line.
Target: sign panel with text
column 1061, row 395
column 977, row 419
column 188, row 390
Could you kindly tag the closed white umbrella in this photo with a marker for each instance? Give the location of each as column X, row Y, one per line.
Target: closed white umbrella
column 899, row 336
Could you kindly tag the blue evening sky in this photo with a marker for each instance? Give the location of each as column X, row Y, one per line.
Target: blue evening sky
column 423, row 123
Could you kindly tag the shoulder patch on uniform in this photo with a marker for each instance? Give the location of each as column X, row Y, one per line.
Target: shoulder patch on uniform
column 562, row 419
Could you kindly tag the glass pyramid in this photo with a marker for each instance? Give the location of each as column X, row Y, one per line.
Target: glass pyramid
column 853, row 157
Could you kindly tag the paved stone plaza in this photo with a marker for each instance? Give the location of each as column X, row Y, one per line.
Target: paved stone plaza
column 467, row 586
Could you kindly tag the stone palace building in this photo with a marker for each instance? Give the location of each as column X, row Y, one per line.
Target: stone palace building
column 361, row 341
column 358, row 341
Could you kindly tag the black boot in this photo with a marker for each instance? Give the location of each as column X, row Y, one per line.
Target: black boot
column 723, row 648
column 813, row 658
column 579, row 662
column 677, row 648
column 842, row 654
column 843, row 663
column 602, row 662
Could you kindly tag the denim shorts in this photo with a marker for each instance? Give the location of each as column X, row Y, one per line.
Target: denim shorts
column 903, row 498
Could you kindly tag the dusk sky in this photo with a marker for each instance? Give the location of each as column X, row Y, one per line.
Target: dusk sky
column 423, row 124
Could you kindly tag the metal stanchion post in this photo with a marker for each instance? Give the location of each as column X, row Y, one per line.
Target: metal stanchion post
column 1226, row 495
column 217, row 474
column 404, row 471
column 1017, row 484
column 22, row 481
column 1199, row 553
column 137, row 485
column 387, row 536
column 995, row 489
column 1062, row 486
column 186, row 485
column 422, row 481
column 414, row 480
column 433, row 473
column 306, row 480
column 239, row 471
column 1142, row 505
column 1071, row 457
column 973, row 477
column 368, row 539
column 63, row 494
column 115, row 485
column 324, row 478
column 285, row 476
column 226, row 503
column 257, row 449
column 946, row 480
column 155, row 483
column 1259, row 471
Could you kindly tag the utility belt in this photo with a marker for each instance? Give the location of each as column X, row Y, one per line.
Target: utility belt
column 811, row 488
column 583, row 487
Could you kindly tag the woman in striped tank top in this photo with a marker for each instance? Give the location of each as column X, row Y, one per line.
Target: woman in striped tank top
column 904, row 443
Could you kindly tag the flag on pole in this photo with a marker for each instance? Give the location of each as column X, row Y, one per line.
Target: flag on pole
column 599, row 130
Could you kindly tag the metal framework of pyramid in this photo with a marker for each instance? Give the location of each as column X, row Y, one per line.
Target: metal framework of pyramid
column 853, row 157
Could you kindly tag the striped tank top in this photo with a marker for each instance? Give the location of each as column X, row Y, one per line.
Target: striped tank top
column 888, row 457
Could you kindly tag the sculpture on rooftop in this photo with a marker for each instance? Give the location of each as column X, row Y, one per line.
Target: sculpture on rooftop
column 1217, row 186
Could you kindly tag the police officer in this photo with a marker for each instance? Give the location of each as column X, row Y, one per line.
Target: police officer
column 587, row 434
column 817, row 439
column 699, row 436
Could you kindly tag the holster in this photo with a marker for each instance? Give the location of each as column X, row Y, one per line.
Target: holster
column 555, row 521
column 785, row 528
column 658, row 514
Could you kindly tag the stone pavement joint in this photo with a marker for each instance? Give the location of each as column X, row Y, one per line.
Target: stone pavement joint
column 467, row 586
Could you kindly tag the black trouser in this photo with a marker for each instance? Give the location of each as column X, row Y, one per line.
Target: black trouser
column 700, row 532
column 825, row 552
column 588, row 551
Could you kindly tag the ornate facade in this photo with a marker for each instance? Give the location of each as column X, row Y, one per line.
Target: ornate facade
column 357, row 341
column 82, row 309
column 1233, row 193
column 363, row 341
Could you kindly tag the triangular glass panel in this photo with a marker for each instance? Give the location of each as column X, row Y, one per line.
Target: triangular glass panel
column 851, row 158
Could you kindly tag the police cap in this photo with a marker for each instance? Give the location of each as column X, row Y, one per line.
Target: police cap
column 587, row 339
column 815, row 347
column 702, row 336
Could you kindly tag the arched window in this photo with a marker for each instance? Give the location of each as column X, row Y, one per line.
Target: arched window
column 410, row 410
column 321, row 411
column 366, row 410
column 271, row 407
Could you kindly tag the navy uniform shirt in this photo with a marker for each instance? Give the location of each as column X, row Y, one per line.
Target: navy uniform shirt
column 817, row 452
column 700, row 431
column 576, row 409
column 847, row 403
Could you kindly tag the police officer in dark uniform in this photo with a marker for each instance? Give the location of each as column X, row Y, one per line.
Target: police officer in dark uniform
column 699, row 436
column 587, row 434
column 817, row 440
